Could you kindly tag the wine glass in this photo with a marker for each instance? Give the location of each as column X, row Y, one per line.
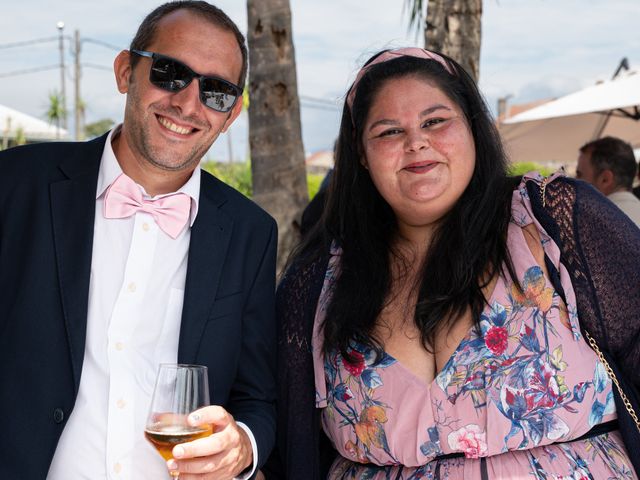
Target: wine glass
column 179, row 390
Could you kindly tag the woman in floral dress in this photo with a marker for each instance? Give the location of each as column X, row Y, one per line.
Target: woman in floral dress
column 444, row 336
column 508, row 393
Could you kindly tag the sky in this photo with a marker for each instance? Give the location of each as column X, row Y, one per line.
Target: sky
column 531, row 49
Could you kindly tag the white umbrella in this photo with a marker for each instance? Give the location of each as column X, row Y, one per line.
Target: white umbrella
column 554, row 131
column 33, row 129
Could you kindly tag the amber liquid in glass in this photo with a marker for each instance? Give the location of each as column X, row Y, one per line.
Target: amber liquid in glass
column 164, row 437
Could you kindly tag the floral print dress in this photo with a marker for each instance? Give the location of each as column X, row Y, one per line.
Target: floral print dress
column 510, row 399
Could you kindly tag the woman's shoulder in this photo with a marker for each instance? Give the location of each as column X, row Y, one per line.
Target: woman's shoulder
column 558, row 192
column 569, row 208
column 546, row 192
column 303, row 275
column 561, row 184
column 306, row 259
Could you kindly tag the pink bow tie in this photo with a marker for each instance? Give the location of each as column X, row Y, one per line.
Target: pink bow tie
column 124, row 198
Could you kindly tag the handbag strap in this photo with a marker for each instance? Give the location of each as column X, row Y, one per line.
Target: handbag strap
column 612, row 375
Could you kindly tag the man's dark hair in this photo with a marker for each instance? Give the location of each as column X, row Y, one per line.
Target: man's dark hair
column 147, row 29
column 610, row 153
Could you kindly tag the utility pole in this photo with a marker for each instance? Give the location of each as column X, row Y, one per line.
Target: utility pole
column 60, row 26
column 502, row 107
column 79, row 114
column 230, row 146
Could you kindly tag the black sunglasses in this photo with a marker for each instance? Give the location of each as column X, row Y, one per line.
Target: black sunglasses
column 172, row 75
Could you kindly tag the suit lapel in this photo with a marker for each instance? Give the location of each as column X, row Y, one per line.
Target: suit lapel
column 73, row 204
column 210, row 236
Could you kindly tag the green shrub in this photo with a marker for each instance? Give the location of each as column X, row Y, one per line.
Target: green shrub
column 520, row 168
column 313, row 183
column 237, row 175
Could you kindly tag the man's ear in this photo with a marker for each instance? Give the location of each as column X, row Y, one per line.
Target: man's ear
column 122, row 70
column 235, row 111
column 606, row 181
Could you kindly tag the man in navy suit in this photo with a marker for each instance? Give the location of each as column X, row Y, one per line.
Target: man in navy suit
column 119, row 254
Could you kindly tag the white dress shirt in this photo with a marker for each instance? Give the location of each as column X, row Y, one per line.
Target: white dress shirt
column 628, row 203
column 136, row 292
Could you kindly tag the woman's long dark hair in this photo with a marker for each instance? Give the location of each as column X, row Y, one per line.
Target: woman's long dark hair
column 469, row 243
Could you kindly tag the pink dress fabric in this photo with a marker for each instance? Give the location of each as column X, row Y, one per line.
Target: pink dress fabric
column 516, row 393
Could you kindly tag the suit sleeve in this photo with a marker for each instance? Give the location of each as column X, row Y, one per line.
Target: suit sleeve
column 254, row 390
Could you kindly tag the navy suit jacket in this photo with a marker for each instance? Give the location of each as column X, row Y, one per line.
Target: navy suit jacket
column 47, row 209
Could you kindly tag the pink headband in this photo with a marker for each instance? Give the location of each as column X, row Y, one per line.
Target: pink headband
column 390, row 55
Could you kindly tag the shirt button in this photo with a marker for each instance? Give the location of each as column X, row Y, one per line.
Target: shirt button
column 132, row 287
column 58, row 415
column 121, row 404
column 117, row 468
column 145, row 227
column 119, row 346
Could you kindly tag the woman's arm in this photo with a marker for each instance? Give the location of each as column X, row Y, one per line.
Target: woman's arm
column 600, row 247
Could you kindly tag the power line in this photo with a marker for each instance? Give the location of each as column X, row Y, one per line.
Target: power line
column 29, row 70
column 102, row 44
column 318, row 107
column 318, row 103
column 322, row 101
column 97, row 67
column 28, row 42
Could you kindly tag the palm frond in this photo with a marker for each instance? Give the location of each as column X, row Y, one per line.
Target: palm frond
column 416, row 14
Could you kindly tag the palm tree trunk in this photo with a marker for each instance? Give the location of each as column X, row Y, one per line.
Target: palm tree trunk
column 275, row 135
column 454, row 28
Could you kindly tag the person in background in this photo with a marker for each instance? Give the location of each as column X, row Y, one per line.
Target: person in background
column 636, row 189
column 438, row 323
column 119, row 254
column 314, row 209
column 609, row 165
